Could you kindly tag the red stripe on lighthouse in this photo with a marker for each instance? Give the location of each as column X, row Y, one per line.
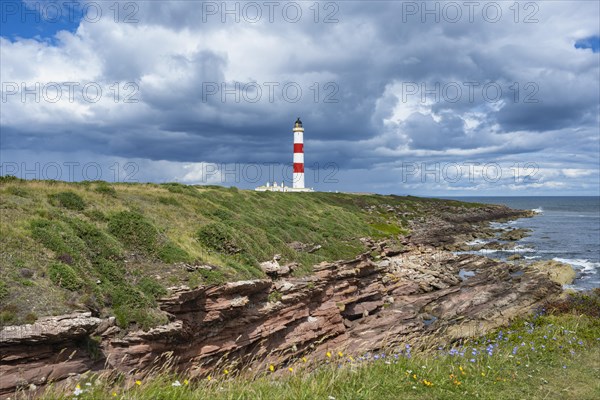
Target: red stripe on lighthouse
column 298, row 148
column 298, row 168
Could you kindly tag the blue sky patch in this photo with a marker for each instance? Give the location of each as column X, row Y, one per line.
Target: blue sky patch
column 592, row 42
column 38, row 20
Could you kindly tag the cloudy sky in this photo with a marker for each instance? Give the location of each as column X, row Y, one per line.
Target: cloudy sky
column 425, row 98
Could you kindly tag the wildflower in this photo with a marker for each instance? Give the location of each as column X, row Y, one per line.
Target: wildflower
column 457, row 382
column 185, row 381
column 290, row 369
column 88, row 384
column 78, row 390
column 330, row 398
column 304, row 359
column 483, row 374
column 114, row 394
column 427, row 383
column 340, row 354
column 208, row 378
column 350, row 358
column 414, row 376
column 138, row 382
column 226, row 372
column 472, row 360
column 176, row 384
column 271, row 368
column 328, row 354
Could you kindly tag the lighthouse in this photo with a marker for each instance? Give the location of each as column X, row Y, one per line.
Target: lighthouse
column 298, row 177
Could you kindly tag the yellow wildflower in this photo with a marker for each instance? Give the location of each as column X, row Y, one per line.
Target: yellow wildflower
column 208, row 378
column 226, row 372
column 304, row 359
column 114, row 394
column 138, row 383
column 185, row 381
column 328, row 354
column 483, row 374
column 290, row 369
column 271, row 368
column 340, row 354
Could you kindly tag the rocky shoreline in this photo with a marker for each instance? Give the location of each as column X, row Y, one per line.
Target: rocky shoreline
column 385, row 297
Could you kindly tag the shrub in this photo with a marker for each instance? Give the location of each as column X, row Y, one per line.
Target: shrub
column 110, row 270
column 18, row 191
column 151, row 288
column 7, row 316
column 30, row 318
column 134, row 230
column 64, row 276
column 9, row 179
column 96, row 215
column 69, row 200
column 168, row 200
column 275, row 296
column 97, row 243
column 144, row 319
column 3, row 290
column 58, row 237
column 171, row 253
column 218, row 237
column 586, row 303
column 211, row 277
column 105, row 189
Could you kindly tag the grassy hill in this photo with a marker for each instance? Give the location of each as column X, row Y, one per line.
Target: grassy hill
column 113, row 248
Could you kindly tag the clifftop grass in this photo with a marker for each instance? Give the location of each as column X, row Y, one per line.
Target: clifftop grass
column 114, row 248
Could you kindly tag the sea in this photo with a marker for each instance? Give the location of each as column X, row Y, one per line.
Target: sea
column 565, row 229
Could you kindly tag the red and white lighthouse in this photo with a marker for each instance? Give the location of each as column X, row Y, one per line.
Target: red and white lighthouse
column 298, row 179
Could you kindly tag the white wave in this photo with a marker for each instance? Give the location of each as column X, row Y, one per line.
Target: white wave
column 521, row 249
column 538, row 210
column 531, row 257
column 586, row 266
column 487, row 251
column 477, row 242
column 574, row 287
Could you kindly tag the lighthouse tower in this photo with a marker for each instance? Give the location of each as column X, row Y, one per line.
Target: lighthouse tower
column 298, row 179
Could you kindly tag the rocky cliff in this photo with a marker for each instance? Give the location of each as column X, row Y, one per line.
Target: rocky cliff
column 382, row 298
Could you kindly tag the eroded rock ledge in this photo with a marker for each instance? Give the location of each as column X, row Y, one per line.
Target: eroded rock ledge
column 360, row 305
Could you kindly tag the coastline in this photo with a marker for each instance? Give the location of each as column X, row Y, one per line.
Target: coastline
column 419, row 293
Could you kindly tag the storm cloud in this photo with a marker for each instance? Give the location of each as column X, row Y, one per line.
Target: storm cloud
column 381, row 87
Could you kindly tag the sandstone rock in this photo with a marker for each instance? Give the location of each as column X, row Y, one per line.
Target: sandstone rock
column 273, row 269
column 50, row 329
column 558, row 272
column 514, row 234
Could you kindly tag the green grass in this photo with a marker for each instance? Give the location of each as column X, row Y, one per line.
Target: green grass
column 92, row 244
column 546, row 357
